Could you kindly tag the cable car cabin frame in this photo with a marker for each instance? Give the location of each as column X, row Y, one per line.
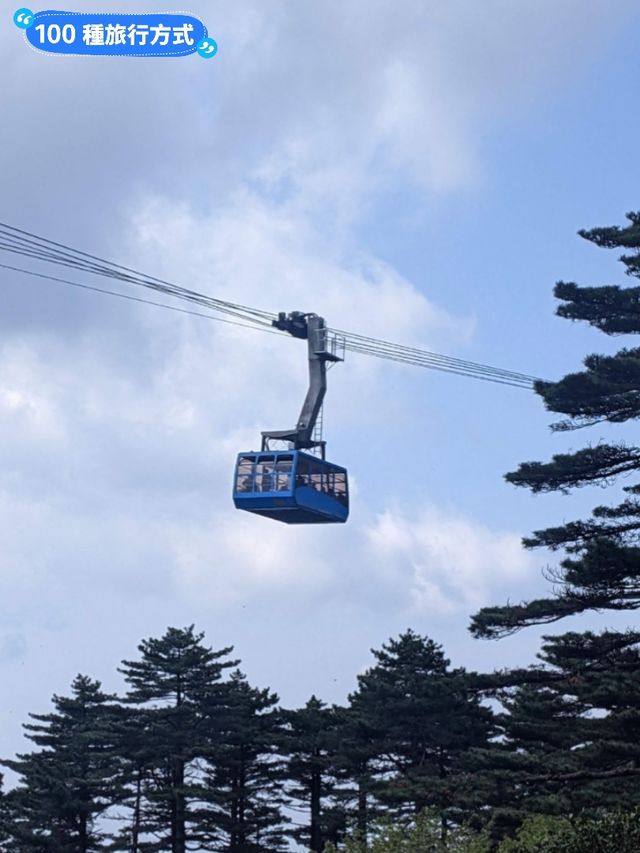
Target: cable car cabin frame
column 291, row 486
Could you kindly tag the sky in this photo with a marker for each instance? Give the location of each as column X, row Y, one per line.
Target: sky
column 416, row 172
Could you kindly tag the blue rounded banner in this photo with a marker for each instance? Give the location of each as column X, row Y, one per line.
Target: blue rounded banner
column 90, row 34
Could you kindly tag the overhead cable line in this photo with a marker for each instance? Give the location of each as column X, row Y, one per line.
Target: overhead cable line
column 131, row 298
column 24, row 243
column 425, row 358
column 28, row 245
column 364, row 341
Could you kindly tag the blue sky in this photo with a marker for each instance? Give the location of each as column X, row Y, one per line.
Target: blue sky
column 415, row 173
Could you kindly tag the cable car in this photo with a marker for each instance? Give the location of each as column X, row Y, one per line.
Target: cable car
column 292, row 484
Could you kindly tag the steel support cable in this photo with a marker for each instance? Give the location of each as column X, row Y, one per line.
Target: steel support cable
column 385, row 347
column 424, row 359
column 61, row 251
column 403, row 359
column 352, row 340
column 66, row 281
column 26, row 243
column 174, row 291
column 192, row 313
column 425, row 356
column 372, row 345
column 365, row 350
column 416, row 354
column 20, row 249
column 264, row 325
column 38, row 248
column 84, row 266
column 268, row 330
column 128, row 279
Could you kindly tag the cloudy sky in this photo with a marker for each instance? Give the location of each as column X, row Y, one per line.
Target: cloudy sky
column 413, row 171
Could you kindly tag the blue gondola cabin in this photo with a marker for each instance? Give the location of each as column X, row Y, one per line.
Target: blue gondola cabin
column 291, row 486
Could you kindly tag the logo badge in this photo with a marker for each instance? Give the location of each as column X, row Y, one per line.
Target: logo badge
column 23, row 18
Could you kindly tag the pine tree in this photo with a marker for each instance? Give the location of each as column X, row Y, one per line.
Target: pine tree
column 245, row 773
column 541, row 729
column 601, row 569
column 311, row 744
column 568, row 734
column 138, row 752
column 600, row 564
column 72, row 780
column 354, row 770
column 421, row 718
column 4, row 819
column 171, row 685
column 601, row 674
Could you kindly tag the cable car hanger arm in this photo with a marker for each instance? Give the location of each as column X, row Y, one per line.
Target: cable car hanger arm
column 322, row 347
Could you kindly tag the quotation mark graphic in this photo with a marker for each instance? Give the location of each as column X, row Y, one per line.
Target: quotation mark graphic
column 207, row 48
column 23, row 18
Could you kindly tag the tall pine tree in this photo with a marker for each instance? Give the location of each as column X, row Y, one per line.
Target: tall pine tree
column 172, row 684
column 66, row 785
column 245, row 773
column 568, row 733
column 311, row 744
column 420, row 719
column 601, row 566
column 4, row 819
column 354, row 768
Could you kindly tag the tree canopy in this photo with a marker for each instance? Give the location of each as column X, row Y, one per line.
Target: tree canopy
column 601, row 566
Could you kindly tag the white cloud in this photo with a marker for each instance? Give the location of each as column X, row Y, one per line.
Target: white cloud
column 237, row 558
column 12, row 646
column 445, row 562
column 347, row 104
column 266, row 254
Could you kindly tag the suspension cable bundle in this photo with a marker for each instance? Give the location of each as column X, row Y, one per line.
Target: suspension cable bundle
column 28, row 245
